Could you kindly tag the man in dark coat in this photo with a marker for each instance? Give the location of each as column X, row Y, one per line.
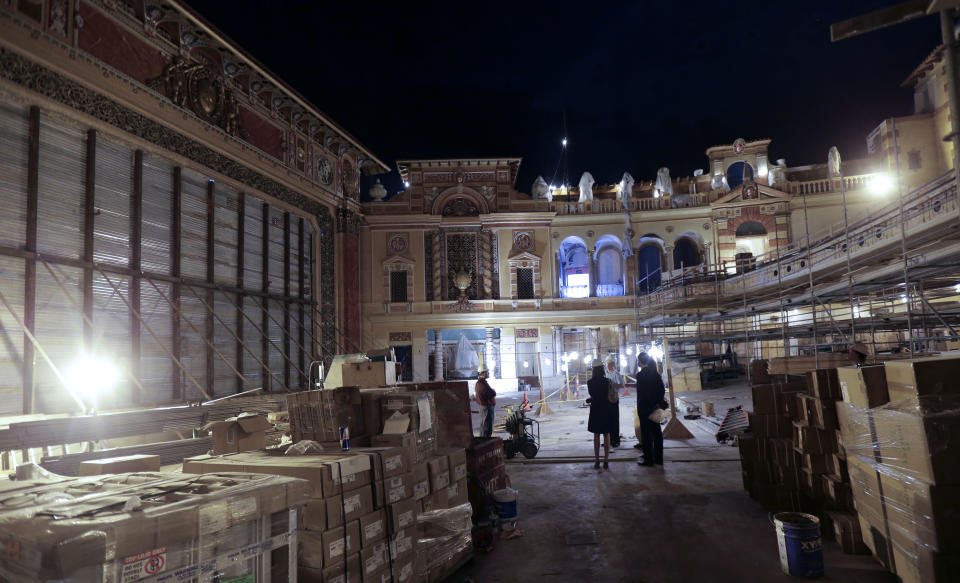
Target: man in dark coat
column 486, row 397
column 650, row 391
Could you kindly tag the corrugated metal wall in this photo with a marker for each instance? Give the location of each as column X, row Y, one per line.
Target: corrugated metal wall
column 212, row 278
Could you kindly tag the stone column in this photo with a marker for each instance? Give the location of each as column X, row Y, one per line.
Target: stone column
column 669, row 270
column 498, row 357
column 593, row 270
column 622, row 340
column 438, row 355
column 557, row 347
column 488, row 350
column 593, row 337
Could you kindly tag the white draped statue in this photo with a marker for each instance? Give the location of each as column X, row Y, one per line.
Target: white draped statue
column 465, row 359
column 626, row 187
column 664, row 184
column 540, row 188
column 586, row 187
column 833, row 162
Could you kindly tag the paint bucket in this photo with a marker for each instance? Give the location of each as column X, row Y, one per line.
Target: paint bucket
column 798, row 537
column 506, row 500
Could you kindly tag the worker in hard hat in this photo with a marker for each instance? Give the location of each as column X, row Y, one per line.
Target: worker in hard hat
column 486, row 397
column 612, row 373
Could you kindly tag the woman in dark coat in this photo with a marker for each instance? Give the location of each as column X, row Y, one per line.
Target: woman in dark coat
column 602, row 413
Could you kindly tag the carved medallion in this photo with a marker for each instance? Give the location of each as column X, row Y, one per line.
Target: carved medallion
column 523, row 240
column 200, row 89
column 738, row 145
column 398, row 243
column 460, row 206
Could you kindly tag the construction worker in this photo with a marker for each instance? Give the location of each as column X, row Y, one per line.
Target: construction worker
column 486, row 397
column 612, row 373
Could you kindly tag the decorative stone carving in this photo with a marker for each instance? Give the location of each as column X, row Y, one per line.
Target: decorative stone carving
column 523, row 240
column 398, row 243
column 778, row 172
column 626, row 187
column 378, row 192
column 197, row 87
column 348, row 221
column 460, row 206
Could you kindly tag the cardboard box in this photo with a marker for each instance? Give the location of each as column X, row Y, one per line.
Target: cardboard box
column 771, row 426
column 373, row 527
column 823, row 414
column 816, row 464
column 838, row 492
column 915, row 563
column 857, row 432
column 324, row 472
column 452, row 401
column 865, row 487
column 764, row 399
column 876, row 541
column 921, row 512
column 402, row 514
column 333, row 542
column 319, row 415
column 246, row 432
column 404, row 569
column 371, row 403
column 420, row 407
column 438, row 469
column 315, row 517
column 924, row 448
column 393, row 489
column 456, row 463
column 403, row 542
column 384, row 461
column 927, row 383
column 334, row 573
column 119, row 465
column 837, row 467
column 824, row 384
column 374, row 559
column 405, row 441
column 369, row 374
column 457, row 493
column 421, row 481
column 864, row 387
column 846, row 530
column 813, row 440
column 349, row 506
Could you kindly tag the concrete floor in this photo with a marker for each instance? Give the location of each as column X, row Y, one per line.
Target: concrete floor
column 687, row 521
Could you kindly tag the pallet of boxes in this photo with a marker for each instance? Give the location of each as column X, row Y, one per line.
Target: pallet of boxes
column 769, row 463
column 151, row 527
column 900, row 427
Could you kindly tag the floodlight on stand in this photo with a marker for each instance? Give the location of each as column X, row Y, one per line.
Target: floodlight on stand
column 880, row 184
column 564, row 142
column 92, row 376
column 655, row 352
column 587, row 359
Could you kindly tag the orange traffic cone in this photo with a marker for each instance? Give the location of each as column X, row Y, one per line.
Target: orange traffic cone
column 526, row 402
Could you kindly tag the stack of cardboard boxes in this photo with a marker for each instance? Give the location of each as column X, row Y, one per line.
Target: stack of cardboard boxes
column 902, row 461
column 128, row 527
column 769, row 463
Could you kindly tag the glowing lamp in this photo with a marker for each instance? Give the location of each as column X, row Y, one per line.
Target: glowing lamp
column 406, row 183
column 574, row 355
column 526, row 364
column 880, row 184
column 92, row 376
column 655, row 352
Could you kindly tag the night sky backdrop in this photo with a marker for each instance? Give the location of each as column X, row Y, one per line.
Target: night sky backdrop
column 643, row 85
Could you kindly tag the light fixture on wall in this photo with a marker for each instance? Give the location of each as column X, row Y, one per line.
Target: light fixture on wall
column 880, row 183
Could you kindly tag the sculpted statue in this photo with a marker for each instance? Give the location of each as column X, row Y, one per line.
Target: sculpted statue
column 540, row 188
column 626, row 190
column 719, row 182
column 664, row 184
column 778, row 172
column 833, row 162
column 586, row 187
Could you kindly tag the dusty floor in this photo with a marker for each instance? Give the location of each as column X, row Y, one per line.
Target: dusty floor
column 687, row 521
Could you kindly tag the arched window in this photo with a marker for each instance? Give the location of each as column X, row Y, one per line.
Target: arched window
column 609, row 267
column 735, row 173
column 685, row 253
column 751, row 229
column 574, row 270
column 648, row 267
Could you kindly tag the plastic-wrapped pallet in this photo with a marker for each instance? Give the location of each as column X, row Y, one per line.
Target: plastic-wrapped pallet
column 147, row 527
column 901, row 458
column 444, row 541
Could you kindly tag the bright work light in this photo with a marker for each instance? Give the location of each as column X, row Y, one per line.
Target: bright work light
column 92, row 376
column 880, row 184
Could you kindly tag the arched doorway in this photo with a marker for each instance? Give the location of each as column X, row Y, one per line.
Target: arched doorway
column 649, row 262
column 686, row 253
column 574, row 264
column 751, row 242
column 609, row 262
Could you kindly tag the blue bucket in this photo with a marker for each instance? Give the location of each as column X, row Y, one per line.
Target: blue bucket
column 801, row 550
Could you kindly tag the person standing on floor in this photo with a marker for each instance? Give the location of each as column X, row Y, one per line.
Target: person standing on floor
column 650, row 391
column 617, row 383
column 601, row 420
column 486, row 397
